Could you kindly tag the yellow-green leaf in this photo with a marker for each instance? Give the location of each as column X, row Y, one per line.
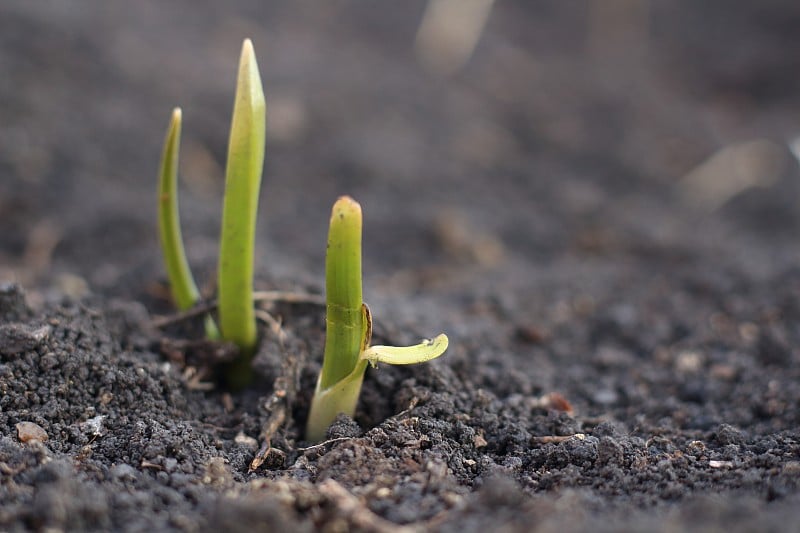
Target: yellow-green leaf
column 406, row 355
column 242, row 185
column 181, row 283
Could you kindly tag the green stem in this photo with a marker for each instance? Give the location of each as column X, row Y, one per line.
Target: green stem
column 340, row 379
column 343, row 292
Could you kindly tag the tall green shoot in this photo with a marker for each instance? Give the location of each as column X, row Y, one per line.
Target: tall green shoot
column 242, row 185
column 240, row 207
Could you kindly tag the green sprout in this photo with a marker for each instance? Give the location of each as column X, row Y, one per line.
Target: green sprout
column 183, row 288
column 181, row 282
column 242, row 184
column 349, row 327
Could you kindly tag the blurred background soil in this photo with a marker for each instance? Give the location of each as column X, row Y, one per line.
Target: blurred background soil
column 598, row 198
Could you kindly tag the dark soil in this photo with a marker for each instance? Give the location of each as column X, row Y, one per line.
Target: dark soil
column 624, row 322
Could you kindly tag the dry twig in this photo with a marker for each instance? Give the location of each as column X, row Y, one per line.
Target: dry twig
column 284, row 392
column 258, row 297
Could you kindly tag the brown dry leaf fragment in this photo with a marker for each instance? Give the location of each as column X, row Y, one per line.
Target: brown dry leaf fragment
column 557, row 402
column 272, row 457
column 530, row 334
column 276, row 420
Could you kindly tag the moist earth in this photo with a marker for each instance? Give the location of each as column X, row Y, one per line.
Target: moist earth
column 623, row 321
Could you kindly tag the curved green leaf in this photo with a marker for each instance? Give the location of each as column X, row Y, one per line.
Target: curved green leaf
column 181, row 282
column 406, row 355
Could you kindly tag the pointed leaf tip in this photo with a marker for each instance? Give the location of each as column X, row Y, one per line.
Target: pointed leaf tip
column 249, row 91
column 248, row 54
column 182, row 285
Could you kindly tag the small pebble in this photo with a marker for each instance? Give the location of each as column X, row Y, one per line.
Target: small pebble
column 29, row 432
column 689, row 362
column 19, row 338
column 720, row 464
column 385, row 492
column 94, row 426
column 605, row 397
column 246, row 441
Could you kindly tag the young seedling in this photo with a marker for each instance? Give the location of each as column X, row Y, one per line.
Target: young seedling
column 242, row 184
column 181, row 282
column 349, row 327
column 183, row 288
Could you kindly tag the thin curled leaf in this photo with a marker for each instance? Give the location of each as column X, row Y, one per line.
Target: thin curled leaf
column 406, row 355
